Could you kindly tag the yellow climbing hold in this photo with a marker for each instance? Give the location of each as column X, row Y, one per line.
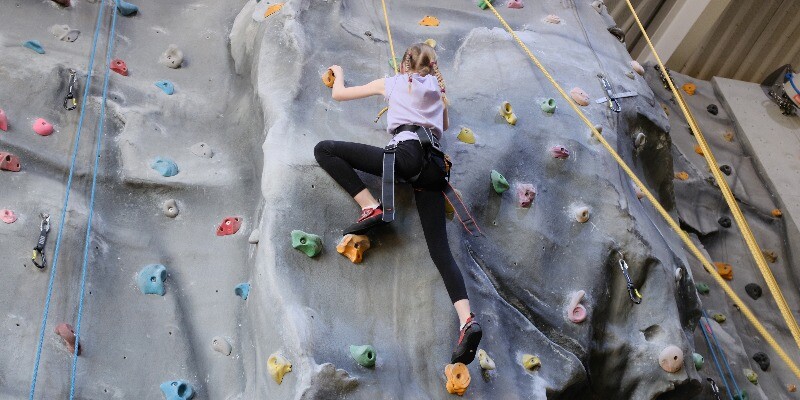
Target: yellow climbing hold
column 273, row 9
column 683, row 175
column 485, row 361
column 278, row 367
column 770, row 255
column 508, row 113
column 777, row 213
column 665, row 108
column 698, row 150
column 531, row 362
column 728, row 136
column 458, row 378
column 429, row 21
column 466, row 136
column 328, row 78
column 353, row 247
column 430, row 42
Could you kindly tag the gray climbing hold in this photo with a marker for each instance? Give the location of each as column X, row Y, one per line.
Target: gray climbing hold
column 242, row 290
column 202, row 150
column 221, row 345
column 172, row 57
column 254, row 235
column 177, row 390
column 499, row 182
column 166, row 86
column 165, row 167
column 63, row 32
column 34, row 45
column 753, row 290
column 170, row 208
column 640, row 140
column 151, row 279
column 126, row 9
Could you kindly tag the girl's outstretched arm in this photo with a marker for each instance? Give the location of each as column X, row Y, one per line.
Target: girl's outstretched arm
column 342, row 93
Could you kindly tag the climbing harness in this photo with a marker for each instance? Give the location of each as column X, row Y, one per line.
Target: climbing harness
column 461, row 212
column 613, row 104
column 650, row 197
column 744, row 227
column 38, row 250
column 70, row 102
column 633, row 293
column 714, row 388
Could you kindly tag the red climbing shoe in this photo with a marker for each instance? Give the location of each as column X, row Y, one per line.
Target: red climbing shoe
column 468, row 342
column 370, row 213
column 370, row 218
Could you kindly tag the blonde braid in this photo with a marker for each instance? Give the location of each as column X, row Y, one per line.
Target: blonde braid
column 407, row 67
column 439, row 78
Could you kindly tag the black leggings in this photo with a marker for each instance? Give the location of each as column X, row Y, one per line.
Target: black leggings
column 339, row 159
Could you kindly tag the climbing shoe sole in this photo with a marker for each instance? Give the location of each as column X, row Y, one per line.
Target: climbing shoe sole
column 465, row 352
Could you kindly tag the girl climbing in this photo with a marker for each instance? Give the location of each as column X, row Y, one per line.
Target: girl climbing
column 417, row 102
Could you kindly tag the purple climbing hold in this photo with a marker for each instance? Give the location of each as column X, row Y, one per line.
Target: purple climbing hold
column 559, row 152
column 525, row 194
column 515, row 4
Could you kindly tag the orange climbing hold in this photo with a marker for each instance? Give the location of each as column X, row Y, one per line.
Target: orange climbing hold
column 458, row 378
column 579, row 96
column 689, row 88
column 429, row 21
column 724, row 270
column 273, row 9
column 792, row 388
column 777, row 213
column 698, row 150
column 353, row 247
column 328, row 78
column 683, row 175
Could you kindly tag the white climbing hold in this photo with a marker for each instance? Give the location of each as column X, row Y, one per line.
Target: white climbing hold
column 678, row 274
column 485, row 361
column 640, row 140
column 598, row 5
column 63, row 32
column 553, row 19
column 202, row 150
column 637, row 67
column 253, row 239
column 170, row 208
column 582, row 214
column 172, row 57
column 220, row 345
column 630, row 74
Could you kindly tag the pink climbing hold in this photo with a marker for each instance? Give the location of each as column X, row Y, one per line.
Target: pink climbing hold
column 559, row 152
column 68, row 334
column 515, row 4
column 579, row 96
column 576, row 312
column 42, row 127
column 525, row 194
column 3, row 120
column 7, row 216
column 119, row 67
column 9, row 162
column 229, row 226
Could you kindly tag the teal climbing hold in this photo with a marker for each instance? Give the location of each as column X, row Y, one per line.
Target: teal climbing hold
column 698, row 361
column 151, row 279
column 242, row 290
column 482, row 4
column 177, row 390
column 308, row 243
column 742, row 395
column 499, row 182
column 166, row 86
column 364, row 355
column 126, row 8
column 702, row 288
column 34, row 45
column 396, row 61
column 549, row 106
column 165, row 167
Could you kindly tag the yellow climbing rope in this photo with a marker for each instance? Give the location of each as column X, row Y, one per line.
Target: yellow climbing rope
column 684, row 237
column 389, row 35
column 744, row 227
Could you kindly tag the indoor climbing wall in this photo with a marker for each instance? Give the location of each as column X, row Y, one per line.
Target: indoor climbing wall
column 215, row 264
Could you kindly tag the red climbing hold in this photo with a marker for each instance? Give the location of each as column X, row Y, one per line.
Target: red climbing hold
column 42, row 127
column 68, row 334
column 229, row 226
column 7, row 216
column 119, row 67
column 3, row 121
column 559, row 152
column 525, row 194
column 9, row 162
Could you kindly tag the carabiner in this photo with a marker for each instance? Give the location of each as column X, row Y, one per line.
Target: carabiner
column 70, row 102
column 632, row 291
column 38, row 250
column 613, row 103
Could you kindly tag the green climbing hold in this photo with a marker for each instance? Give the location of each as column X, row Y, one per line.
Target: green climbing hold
column 549, row 106
column 702, row 288
column 364, row 355
column 499, row 182
column 751, row 375
column 482, row 4
column 698, row 361
column 742, row 395
column 308, row 243
column 393, row 61
column 719, row 317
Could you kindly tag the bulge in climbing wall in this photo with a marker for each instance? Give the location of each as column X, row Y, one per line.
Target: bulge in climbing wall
column 488, row 243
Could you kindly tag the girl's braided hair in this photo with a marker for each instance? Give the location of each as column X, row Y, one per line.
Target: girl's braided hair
column 421, row 59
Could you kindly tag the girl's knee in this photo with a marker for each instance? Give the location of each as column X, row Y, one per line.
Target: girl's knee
column 323, row 148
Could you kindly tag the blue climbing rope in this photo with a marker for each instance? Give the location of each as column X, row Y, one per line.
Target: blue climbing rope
column 714, row 357
column 99, row 136
column 722, row 353
column 790, row 77
column 66, row 203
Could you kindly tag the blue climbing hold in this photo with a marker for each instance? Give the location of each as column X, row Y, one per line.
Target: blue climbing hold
column 166, row 86
column 34, row 45
column 126, row 8
column 177, row 390
column 151, row 279
column 242, row 290
column 165, row 167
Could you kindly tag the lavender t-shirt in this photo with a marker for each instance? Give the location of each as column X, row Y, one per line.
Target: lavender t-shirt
column 423, row 106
